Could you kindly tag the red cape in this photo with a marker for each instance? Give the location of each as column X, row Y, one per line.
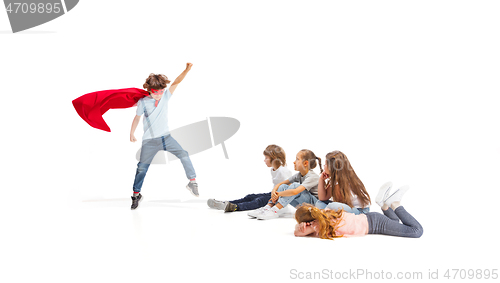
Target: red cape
column 92, row 106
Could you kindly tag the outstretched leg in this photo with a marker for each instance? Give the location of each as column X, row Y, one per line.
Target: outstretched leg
column 247, row 198
column 148, row 151
column 172, row 146
column 381, row 224
column 253, row 202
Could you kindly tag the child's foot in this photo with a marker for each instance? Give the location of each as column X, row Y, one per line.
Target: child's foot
column 192, row 187
column 397, row 195
column 230, row 207
column 383, row 193
column 135, row 201
column 256, row 212
column 216, row 204
column 271, row 213
column 287, row 211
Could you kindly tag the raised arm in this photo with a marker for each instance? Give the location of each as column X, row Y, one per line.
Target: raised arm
column 179, row 79
column 324, row 192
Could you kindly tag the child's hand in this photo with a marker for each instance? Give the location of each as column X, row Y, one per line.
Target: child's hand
column 132, row 138
column 274, row 196
column 323, row 176
column 302, row 226
column 188, row 66
column 276, row 188
column 315, row 226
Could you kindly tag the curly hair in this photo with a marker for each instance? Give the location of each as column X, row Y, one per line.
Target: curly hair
column 328, row 219
column 156, row 81
column 277, row 155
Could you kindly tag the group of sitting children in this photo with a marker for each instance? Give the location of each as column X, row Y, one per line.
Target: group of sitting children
column 330, row 205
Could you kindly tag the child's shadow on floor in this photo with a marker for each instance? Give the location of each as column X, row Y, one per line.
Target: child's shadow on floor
column 126, row 202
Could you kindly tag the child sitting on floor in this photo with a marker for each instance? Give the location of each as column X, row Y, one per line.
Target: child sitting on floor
column 301, row 187
column 274, row 156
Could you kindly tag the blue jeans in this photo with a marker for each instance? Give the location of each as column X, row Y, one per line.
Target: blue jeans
column 298, row 199
column 148, row 151
column 251, row 201
column 388, row 223
column 322, row 204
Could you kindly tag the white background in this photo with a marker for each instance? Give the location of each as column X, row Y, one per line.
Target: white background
column 406, row 89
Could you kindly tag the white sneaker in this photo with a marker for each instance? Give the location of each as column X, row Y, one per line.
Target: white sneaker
column 287, row 211
column 383, row 193
column 274, row 212
column 256, row 212
column 397, row 195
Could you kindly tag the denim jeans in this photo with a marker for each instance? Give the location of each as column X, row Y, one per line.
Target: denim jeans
column 252, row 201
column 388, row 224
column 322, row 204
column 298, row 199
column 148, row 151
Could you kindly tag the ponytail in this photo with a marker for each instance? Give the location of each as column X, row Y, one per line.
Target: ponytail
column 320, row 168
column 311, row 157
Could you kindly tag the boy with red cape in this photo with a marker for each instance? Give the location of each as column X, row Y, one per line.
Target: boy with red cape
column 153, row 103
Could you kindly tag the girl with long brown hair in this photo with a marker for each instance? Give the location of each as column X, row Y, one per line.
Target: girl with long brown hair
column 330, row 224
column 342, row 185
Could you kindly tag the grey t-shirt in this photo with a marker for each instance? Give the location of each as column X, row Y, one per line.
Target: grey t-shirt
column 309, row 181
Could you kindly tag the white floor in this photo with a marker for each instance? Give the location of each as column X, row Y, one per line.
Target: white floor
column 102, row 240
column 407, row 90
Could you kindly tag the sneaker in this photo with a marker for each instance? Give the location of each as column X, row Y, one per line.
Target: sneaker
column 287, row 212
column 269, row 214
column 216, row 204
column 135, row 201
column 397, row 195
column 256, row 212
column 192, row 187
column 230, row 207
column 383, row 193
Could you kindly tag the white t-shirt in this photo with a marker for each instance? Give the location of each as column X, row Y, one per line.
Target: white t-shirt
column 354, row 199
column 279, row 175
column 158, row 116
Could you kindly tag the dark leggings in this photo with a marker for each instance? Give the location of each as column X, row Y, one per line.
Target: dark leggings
column 388, row 224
